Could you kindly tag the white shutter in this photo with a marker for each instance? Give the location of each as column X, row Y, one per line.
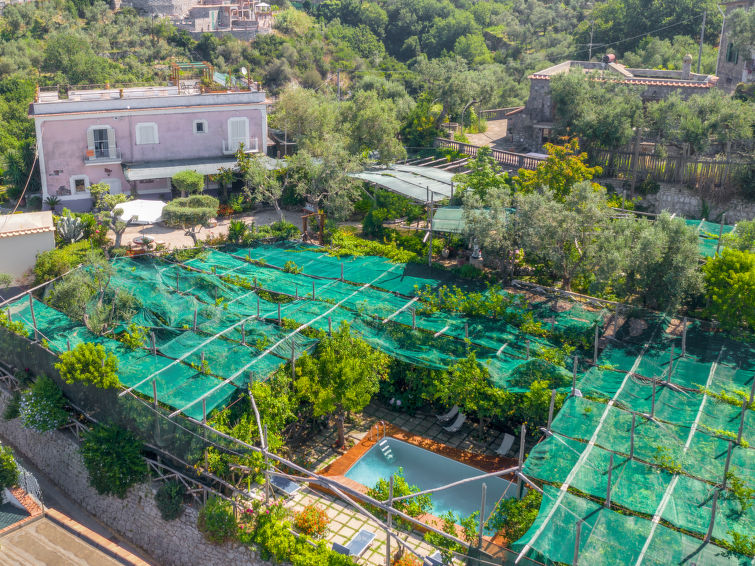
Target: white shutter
column 146, row 133
column 238, row 132
column 111, row 142
column 90, row 138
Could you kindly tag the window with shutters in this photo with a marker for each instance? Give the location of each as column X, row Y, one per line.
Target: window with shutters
column 238, row 132
column 146, row 133
column 100, row 142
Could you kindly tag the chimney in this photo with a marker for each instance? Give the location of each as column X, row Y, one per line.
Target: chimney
column 686, row 67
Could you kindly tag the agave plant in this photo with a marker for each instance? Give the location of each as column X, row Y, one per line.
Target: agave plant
column 70, row 229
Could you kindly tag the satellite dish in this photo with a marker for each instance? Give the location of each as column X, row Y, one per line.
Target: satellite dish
column 243, row 71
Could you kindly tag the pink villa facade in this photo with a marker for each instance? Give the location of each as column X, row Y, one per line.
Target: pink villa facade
column 136, row 139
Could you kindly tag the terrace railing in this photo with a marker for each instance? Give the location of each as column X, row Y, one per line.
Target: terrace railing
column 508, row 159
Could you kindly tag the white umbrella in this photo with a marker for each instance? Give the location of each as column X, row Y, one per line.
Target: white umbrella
column 146, row 211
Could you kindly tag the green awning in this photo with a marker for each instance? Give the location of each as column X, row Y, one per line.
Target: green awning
column 449, row 219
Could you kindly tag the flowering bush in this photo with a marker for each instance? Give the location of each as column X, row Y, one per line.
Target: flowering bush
column 217, row 521
column 312, row 521
column 406, row 559
column 226, row 210
column 42, row 406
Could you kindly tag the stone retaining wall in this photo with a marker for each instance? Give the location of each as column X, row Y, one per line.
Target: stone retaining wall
column 136, row 518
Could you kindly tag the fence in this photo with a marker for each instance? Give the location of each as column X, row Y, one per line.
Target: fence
column 498, row 113
column 700, row 173
column 508, row 159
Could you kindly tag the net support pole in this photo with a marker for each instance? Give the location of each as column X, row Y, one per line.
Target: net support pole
column 296, row 290
column 527, row 344
column 243, row 334
column 519, row 483
column 466, row 331
column 195, row 319
column 388, row 522
column 608, row 485
column 670, row 365
column 178, row 281
column 745, row 405
column 726, row 466
column 330, row 327
column 68, row 344
column 577, row 536
column 550, row 409
column 684, row 336
column 720, row 233
column 10, row 318
column 267, row 475
column 482, row 514
column 712, row 517
column 652, row 403
column 414, row 319
column 154, row 343
column 154, row 392
column 33, row 318
column 595, row 345
column 631, row 437
column 430, row 230
column 279, row 314
column 313, row 290
column 293, row 358
column 341, row 271
column 258, row 307
column 574, row 378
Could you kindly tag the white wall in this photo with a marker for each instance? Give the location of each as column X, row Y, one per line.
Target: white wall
column 18, row 254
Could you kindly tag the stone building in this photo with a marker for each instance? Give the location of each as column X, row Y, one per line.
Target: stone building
column 734, row 66
column 245, row 19
column 530, row 126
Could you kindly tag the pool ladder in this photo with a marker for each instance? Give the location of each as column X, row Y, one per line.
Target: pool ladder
column 376, row 428
column 386, row 450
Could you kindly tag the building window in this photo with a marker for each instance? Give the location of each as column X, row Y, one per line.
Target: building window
column 732, row 54
column 200, row 126
column 100, row 141
column 146, row 133
column 79, row 184
column 238, row 133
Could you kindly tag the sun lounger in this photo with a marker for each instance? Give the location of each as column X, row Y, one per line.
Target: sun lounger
column 506, row 444
column 285, row 485
column 449, row 415
column 457, row 423
column 435, row 559
column 357, row 545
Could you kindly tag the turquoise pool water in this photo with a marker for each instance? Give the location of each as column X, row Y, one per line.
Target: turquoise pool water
column 427, row 470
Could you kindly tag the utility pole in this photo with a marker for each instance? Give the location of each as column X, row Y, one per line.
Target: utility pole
column 702, row 36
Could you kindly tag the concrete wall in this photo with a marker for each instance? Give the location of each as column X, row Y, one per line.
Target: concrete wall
column 18, row 254
column 136, row 518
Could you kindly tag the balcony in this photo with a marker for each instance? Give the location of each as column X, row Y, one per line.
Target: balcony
column 97, row 157
column 250, row 146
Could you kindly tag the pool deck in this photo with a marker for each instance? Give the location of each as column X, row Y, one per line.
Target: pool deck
column 484, row 462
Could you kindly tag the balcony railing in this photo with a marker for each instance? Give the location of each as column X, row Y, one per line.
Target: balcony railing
column 250, row 146
column 92, row 157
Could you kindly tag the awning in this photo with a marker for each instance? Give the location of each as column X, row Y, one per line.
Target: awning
column 145, row 211
column 449, row 219
column 421, row 184
column 166, row 169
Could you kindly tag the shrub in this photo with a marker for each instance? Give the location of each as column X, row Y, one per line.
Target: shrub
column 217, row 521
column 237, row 229
column 8, row 468
column 312, row 521
column 134, row 337
column 42, row 407
column 189, row 182
column 53, row 263
column 406, row 559
column 12, row 409
column 113, row 458
column 291, row 267
column 514, row 516
column 190, row 211
column 170, row 500
column 89, row 363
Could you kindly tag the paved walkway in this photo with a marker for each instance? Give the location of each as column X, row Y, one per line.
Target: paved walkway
column 495, row 132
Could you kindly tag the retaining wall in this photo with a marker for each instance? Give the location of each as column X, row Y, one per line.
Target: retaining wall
column 136, row 518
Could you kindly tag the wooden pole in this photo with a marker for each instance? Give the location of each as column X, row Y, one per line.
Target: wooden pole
column 313, row 290
column 684, row 336
column 631, row 438
column 33, row 318
column 258, row 307
column 745, row 406
column 293, row 358
column 652, row 406
column 712, row 517
column 414, row 319
column 297, row 292
column 522, row 437
column 550, row 409
column 154, row 392
column 154, row 343
column 68, row 344
column 341, row 271
column 466, row 331
column 243, row 333
column 267, row 475
column 726, row 466
column 195, row 318
column 608, row 488
column 720, row 233
column 430, row 230
column 330, row 327
column 279, row 314
column 670, row 365
column 482, row 514
column 389, row 521
column 577, row 536
column 595, row 345
column 178, row 280
column 574, row 378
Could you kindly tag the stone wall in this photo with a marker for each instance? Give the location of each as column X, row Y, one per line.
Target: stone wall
column 136, row 518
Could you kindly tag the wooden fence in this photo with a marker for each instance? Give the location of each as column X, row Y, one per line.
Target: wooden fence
column 507, row 159
column 699, row 173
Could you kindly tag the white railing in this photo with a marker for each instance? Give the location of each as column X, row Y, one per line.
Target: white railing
column 250, row 146
column 113, row 155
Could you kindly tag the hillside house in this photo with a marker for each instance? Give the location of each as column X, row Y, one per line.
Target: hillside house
column 530, row 126
column 22, row 237
column 136, row 139
column 733, row 65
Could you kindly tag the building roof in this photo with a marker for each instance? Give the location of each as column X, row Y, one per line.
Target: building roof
column 26, row 223
column 620, row 73
column 421, row 184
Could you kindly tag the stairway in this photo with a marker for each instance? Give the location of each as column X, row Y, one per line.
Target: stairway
column 386, row 450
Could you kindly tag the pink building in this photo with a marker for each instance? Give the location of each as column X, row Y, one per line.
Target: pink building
column 136, row 139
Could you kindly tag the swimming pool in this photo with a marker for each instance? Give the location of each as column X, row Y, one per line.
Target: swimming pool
column 427, row 470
